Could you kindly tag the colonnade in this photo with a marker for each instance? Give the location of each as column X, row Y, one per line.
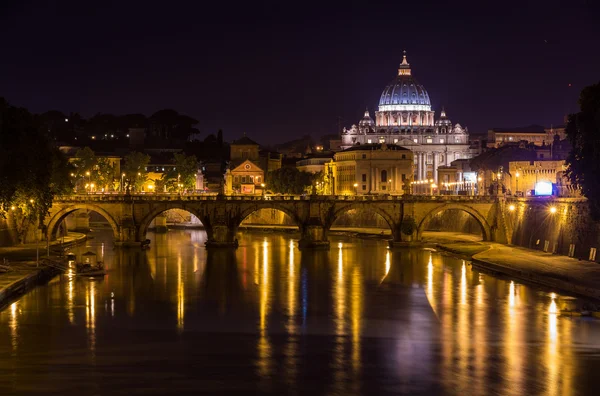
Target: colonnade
column 423, row 167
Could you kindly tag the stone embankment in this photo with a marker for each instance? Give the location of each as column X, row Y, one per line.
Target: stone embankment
column 24, row 274
column 574, row 276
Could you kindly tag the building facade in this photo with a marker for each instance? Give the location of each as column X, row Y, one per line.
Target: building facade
column 405, row 118
column 370, row 169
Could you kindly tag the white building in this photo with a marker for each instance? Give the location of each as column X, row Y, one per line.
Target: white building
column 405, row 118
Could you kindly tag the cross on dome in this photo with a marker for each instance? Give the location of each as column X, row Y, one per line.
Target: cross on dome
column 404, row 69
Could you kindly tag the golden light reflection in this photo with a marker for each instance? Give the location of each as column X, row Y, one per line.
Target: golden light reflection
column 13, row 324
column 291, row 291
column 264, row 345
column 339, row 299
column 463, row 283
column 430, row 293
column 70, row 295
column 180, row 295
column 90, row 312
column 513, row 342
column 387, row 266
column 463, row 328
column 291, row 348
column 552, row 353
column 356, row 308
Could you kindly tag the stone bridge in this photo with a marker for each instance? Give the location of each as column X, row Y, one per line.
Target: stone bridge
column 407, row 216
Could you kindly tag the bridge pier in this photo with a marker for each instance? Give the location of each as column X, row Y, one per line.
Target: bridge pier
column 221, row 236
column 313, row 235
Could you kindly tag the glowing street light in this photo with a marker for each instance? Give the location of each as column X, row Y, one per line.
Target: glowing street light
column 355, row 188
column 511, row 208
column 122, row 185
column 517, row 174
column 552, row 209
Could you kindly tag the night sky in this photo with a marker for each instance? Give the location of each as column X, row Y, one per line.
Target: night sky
column 280, row 70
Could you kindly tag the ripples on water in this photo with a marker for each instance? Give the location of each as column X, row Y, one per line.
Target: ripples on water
column 359, row 319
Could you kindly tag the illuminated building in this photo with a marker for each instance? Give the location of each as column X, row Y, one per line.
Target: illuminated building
column 370, row 169
column 406, row 118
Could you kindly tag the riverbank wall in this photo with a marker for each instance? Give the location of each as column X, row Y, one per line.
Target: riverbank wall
column 561, row 226
column 24, row 277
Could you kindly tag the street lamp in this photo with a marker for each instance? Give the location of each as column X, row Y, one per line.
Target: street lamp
column 552, row 209
column 89, row 177
column 355, row 188
column 390, row 183
column 92, row 188
column 122, row 185
column 517, row 179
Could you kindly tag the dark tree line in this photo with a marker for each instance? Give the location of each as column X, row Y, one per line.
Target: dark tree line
column 583, row 132
column 32, row 171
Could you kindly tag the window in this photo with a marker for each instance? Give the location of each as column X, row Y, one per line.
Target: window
column 415, row 140
column 364, row 177
column 384, row 178
column 364, row 156
column 429, row 158
column 457, row 140
column 403, row 156
column 369, row 141
column 243, row 179
column 429, row 140
column 442, row 141
column 364, row 187
column 382, row 140
column 456, row 156
column 403, row 177
column 395, row 140
column 383, row 187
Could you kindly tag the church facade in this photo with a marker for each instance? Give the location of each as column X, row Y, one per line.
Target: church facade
column 405, row 118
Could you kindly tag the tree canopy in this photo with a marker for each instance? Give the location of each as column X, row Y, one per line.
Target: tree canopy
column 289, row 180
column 583, row 132
column 134, row 168
column 184, row 172
column 31, row 170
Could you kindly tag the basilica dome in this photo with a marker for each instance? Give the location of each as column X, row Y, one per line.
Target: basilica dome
column 404, row 92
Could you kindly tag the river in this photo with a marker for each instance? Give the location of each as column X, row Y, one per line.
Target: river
column 267, row 318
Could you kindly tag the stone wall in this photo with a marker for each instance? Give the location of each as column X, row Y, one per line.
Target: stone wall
column 454, row 220
column 534, row 226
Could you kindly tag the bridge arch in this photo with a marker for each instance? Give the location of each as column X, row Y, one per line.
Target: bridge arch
column 60, row 216
column 247, row 212
column 341, row 210
column 157, row 210
column 485, row 227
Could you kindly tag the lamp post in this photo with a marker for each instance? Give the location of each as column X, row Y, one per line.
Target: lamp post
column 122, row 185
column 89, row 177
column 517, row 181
column 355, row 188
column 262, row 186
column 390, row 185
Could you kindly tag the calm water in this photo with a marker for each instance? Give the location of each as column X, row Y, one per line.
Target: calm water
column 267, row 318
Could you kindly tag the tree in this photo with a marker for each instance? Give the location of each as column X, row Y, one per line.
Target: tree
column 135, row 170
column 289, row 181
column 583, row 132
column 184, row 172
column 30, row 170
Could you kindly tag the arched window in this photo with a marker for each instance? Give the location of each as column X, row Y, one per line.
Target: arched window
column 384, row 178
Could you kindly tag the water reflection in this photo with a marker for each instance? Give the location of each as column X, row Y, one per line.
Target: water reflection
column 358, row 319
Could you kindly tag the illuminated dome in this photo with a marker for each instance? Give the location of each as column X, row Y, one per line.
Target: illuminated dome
column 367, row 121
column 404, row 92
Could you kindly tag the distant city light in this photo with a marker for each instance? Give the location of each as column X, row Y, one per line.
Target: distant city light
column 543, row 188
column 511, row 208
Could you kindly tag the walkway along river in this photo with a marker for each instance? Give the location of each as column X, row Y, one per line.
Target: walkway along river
column 267, row 318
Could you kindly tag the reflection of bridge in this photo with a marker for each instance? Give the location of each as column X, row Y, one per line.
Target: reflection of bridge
column 130, row 215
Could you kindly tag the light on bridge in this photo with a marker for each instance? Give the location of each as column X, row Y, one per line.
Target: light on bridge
column 511, row 208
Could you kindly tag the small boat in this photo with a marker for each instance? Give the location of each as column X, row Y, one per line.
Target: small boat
column 89, row 266
column 84, row 269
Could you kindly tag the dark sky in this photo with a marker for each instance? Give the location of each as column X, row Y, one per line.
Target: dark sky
column 280, row 70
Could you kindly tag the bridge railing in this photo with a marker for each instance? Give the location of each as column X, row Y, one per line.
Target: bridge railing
column 214, row 197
